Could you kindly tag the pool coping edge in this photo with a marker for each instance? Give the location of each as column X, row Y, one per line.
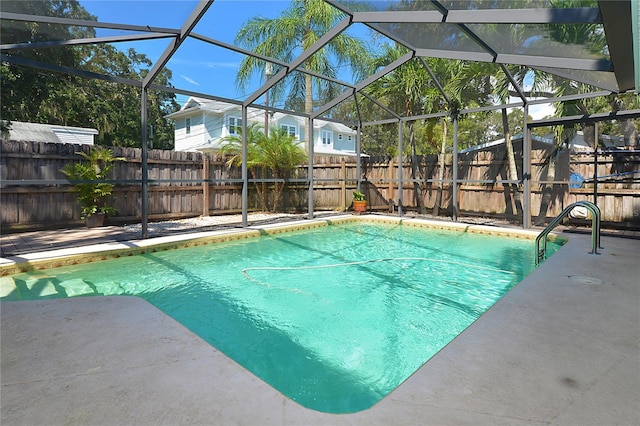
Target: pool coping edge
column 12, row 265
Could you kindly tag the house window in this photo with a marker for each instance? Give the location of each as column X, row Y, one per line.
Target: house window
column 235, row 125
column 187, row 125
column 291, row 130
column 349, row 137
column 327, row 136
column 339, row 136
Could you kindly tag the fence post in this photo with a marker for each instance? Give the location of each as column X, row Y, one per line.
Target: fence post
column 205, row 184
column 390, row 195
column 343, row 185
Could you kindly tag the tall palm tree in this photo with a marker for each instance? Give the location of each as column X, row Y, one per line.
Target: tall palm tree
column 285, row 37
column 572, row 36
column 408, row 89
column 502, row 90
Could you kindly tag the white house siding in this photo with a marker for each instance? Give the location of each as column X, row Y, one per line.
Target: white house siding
column 195, row 138
column 339, row 138
column 75, row 135
column 214, row 126
column 210, row 124
column 224, row 122
column 51, row 133
column 319, row 135
column 346, row 143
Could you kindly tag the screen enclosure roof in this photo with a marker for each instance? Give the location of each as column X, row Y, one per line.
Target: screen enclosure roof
column 591, row 44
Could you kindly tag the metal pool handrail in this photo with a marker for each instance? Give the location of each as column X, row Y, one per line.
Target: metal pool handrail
column 541, row 254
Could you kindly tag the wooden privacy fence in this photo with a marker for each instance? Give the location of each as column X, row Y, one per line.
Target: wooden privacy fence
column 35, row 194
column 482, row 189
column 175, row 189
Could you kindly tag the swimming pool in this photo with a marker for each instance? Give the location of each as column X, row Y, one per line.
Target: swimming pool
column 335, row 317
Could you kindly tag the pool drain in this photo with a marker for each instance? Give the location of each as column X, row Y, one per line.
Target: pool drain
column 585, row 280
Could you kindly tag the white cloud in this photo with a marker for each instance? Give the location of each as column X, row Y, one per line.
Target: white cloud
column 190, row 80
column 221, row 64
column 538, row 112
column 204, row 64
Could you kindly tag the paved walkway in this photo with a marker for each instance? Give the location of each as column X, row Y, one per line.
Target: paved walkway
column 33, row 242
column 562, row 348
column 13, row 244
column 39, row 241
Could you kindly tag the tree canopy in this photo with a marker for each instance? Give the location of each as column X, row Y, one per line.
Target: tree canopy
column 286, row 36
column 39, row 96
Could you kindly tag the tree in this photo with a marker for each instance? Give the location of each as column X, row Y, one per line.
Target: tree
column 25, row 90
column 285, row 37
column 278, row 152
column 410, row 89
column 46, row 97
column 232, row 147
column 281, row 154
column 399, row 90
column 501, row 89
column 572, row 36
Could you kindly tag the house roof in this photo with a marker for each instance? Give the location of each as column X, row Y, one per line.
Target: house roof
column 576, row 142
column 51, row 133
column 338, row 127
column 498, row 142
column 199, row 104
column 218, row 107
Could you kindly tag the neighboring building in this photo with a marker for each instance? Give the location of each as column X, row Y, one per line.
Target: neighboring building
column 201, row 124
column 576, row 143
column 35, row 132
column 537, row 142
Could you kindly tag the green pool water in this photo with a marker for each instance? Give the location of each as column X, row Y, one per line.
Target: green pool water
column 335, row 318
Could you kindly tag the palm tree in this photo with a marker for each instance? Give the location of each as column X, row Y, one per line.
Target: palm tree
column 571, row 35
column 285, row 37
column 501, row 88
column 232, row 147
column 406, row 89
column 281, row 154
column 278, row 152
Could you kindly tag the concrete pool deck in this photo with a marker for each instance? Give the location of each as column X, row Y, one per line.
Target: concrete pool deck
column 563, row 347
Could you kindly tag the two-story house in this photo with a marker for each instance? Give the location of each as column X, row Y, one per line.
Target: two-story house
column 201, row 125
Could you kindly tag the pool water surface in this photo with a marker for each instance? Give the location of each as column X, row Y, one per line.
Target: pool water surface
column 334, row 317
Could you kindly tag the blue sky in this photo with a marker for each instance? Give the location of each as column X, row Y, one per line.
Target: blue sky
column 196, row 66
